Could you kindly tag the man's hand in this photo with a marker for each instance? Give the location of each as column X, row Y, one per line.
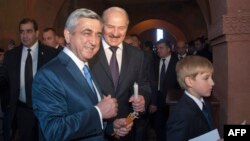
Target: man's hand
column 108, row 107
column 121, row 127
column 138, row 103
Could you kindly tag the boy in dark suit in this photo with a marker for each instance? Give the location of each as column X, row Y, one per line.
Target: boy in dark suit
column 192, row 116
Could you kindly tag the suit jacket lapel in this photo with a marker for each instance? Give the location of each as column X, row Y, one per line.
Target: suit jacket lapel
column 97, row 86
column 195, row 107
column 18, row 64
column 104, row 63
column 77, row 75
column 40, row 56
column 124, row 65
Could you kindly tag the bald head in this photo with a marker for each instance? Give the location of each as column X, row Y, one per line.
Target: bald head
column 181, row 47
column 113, row 11
column 115, row 25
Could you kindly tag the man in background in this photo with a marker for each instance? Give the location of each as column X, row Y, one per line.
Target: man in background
column 167, row 80
column 181, row 49
column 21, row 64
column 50, row 38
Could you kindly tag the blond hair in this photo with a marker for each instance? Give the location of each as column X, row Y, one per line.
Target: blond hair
column 191, row 66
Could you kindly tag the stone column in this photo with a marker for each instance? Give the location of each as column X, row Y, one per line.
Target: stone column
column 229, row 33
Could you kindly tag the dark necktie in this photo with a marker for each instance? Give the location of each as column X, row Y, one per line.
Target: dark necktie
column 114, row 66
column 206, row 114
column 162, row 75
column 28, row 78
column 88, row 78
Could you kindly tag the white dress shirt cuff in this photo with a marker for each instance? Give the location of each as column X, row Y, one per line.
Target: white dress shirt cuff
column 100, row 115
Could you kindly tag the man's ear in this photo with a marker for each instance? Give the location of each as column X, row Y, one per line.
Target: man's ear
column 67, row 35
column 188, row 81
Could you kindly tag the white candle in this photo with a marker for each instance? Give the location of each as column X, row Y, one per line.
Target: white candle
column 135, row 90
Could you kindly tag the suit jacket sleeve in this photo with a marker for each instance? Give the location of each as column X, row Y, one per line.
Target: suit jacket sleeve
column 177, row 128
column 58, row 115
column 144, row 82
column 3, row 77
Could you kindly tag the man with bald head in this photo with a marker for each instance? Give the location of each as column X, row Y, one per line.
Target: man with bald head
column 117, row 66
column 181, row 49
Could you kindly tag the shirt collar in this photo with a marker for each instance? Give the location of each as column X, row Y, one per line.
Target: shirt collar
column 196, row 100
column 106, row 46
column 33, row 47
column 80, row 64
column 184, row 55
column 167, row 58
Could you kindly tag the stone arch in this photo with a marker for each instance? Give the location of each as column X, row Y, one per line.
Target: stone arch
column 156, row 23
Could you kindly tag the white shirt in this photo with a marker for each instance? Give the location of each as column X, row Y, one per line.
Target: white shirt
column 196, row 100
column 80, row 64
column 34, row 55
column 166, row 62
column 109, row 53
column 183, row 56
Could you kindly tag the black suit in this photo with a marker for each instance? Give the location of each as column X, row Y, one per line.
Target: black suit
column 60, row 48
column 187, row 120
column 12, row 62
column 133, row 69
column 169, row 83
column 3, row 87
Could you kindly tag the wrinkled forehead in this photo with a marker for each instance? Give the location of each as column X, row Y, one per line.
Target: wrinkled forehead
column 114, row 14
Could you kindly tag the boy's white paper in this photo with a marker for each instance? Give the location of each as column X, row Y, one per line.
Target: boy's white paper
column 209, row 136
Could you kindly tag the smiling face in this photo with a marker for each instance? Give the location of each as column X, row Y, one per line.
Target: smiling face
column 115, row 26
column 201, row 85
column 84, row 41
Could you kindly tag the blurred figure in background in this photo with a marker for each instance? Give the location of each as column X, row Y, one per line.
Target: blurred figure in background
column 21, row 64
column 167, row 80
column 11, row 44
column 133, row 40
column 50, row 38
column 1, row 55
column 61, row 41
column 181, row 49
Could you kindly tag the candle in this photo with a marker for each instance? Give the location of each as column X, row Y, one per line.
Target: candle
column 135, row 90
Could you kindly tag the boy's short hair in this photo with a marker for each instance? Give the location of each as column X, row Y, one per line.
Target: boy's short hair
column 191, row 66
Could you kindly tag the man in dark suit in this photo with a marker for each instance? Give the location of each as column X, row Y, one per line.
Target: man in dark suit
column 181, row 49
column 19, row 112
column 66, row 97
column 50, row 38
column 117, row 76
column 165, row 72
